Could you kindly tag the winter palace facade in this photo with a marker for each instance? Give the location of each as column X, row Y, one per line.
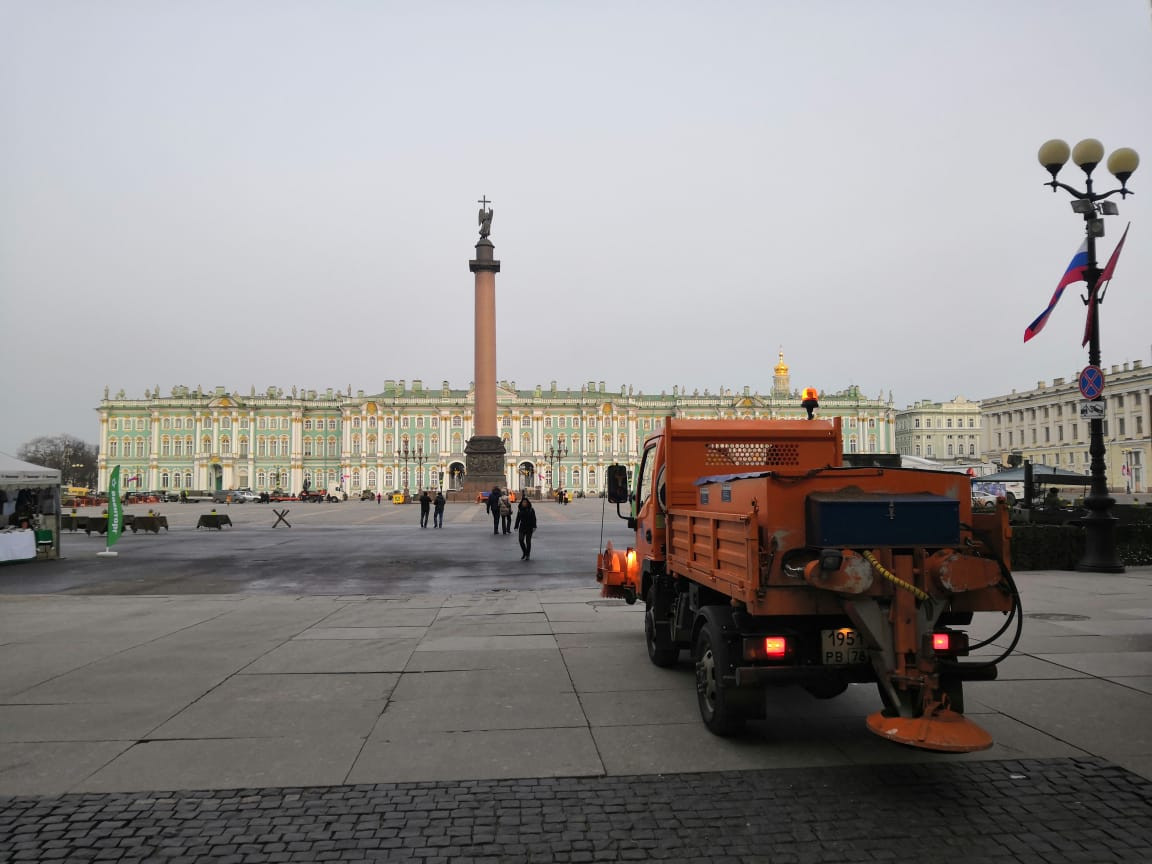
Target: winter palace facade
column 413, row 437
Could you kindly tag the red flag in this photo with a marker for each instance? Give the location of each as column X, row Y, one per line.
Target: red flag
column 1105, row 276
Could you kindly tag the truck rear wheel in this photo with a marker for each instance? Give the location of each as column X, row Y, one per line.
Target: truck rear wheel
column 662, row 651
column 720, row 716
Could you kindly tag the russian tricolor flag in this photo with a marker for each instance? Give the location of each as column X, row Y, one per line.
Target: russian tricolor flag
column 1074, row 273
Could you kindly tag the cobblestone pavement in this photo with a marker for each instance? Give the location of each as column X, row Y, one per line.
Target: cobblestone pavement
column 1054, row 810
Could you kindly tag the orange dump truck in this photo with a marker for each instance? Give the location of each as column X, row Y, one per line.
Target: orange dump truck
column 776, row 563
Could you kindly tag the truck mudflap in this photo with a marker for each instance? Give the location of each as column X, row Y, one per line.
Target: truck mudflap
column 618, row 573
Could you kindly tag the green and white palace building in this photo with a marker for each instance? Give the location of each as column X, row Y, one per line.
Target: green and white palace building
column 412, row 437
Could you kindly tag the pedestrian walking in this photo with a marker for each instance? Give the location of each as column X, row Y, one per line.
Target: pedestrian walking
column 379, row 497
column 438, row 510
column 506, row 513
column 525, row 526
column 492, row 505
column 425, row 507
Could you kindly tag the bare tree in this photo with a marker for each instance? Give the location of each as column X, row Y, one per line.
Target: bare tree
column 73, row 458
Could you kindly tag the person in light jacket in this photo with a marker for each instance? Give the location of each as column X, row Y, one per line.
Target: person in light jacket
column 505, row 513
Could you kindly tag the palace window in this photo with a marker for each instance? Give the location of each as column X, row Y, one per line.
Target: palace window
column 165, row 446
column 307, row 446
column 226, row 423
column 244, row 446
column 307, row 425
column 225, row 445
column 457, row 421
column 355, row 443
column 332, row 448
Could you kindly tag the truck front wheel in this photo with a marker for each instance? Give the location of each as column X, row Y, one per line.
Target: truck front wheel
column 662, row 651
column 716, row 709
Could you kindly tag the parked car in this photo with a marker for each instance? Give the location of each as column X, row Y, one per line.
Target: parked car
column 367, row 495
column 983, row 500
column 244, row 496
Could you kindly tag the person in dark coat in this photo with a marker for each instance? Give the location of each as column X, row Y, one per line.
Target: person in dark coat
column 425, row 507
column 492, row 505
column 438, row 510
column 525, row 526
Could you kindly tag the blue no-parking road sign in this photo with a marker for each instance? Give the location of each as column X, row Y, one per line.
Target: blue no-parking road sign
column 1091, row 382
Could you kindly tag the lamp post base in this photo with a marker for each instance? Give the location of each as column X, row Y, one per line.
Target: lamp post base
column 1099, row 538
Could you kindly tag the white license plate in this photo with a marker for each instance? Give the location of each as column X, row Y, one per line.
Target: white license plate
column 843, row 647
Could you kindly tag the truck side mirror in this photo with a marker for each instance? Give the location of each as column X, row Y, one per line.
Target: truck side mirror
column 617, row 484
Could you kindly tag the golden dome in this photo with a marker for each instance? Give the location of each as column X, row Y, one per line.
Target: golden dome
column 781, row 367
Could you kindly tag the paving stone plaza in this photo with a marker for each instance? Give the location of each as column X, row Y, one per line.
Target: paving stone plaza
column 357, row 688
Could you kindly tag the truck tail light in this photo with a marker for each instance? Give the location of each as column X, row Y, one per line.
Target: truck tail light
column 767, row 647
column 954, row 643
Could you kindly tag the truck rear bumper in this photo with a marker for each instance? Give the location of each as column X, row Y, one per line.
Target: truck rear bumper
column 780, row 676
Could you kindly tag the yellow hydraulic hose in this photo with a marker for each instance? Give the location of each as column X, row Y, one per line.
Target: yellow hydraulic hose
column 893, row 578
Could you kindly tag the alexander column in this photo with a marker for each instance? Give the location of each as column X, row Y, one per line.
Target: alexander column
column 484, row 452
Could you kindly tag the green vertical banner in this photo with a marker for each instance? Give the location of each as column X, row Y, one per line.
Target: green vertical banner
column 115, row 508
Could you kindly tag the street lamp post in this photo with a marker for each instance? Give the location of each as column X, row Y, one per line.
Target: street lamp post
column 554, row 455
column 405, row 455
column 1099, row 525
column 420, row 460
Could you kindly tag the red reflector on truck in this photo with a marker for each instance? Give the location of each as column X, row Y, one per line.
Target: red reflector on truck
column 941, row 642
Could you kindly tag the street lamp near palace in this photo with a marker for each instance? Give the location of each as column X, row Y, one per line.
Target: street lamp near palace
column 1099, row 525
column 405, row 454
column 553, row 455
column 420, row 460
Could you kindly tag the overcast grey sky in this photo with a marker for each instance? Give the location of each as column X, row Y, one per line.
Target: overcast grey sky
column 283, row 192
